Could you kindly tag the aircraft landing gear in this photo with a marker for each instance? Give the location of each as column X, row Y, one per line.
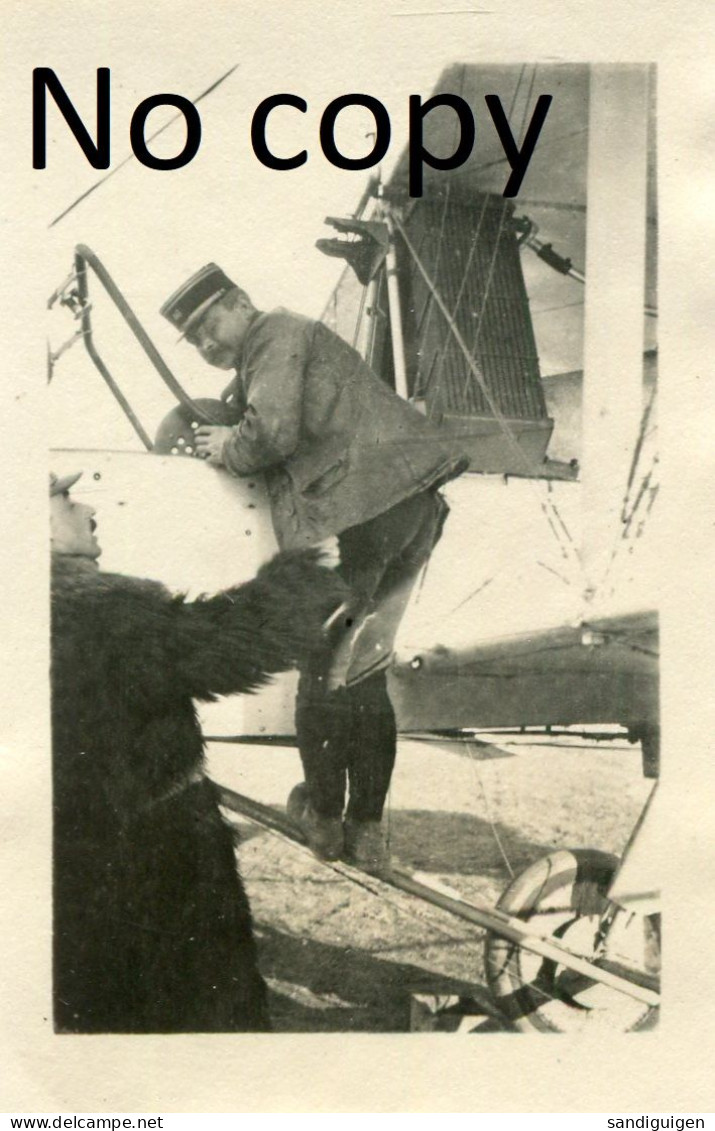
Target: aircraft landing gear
column 564, row 896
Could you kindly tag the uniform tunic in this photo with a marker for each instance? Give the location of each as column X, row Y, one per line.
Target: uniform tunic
column 342, row 455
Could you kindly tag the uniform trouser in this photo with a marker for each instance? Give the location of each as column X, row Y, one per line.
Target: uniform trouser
column 347, row 736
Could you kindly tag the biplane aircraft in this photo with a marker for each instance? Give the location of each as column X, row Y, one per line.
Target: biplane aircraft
column 539, row 605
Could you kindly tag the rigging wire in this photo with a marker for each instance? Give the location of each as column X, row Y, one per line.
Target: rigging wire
column 361, row 311
column 562, row 306
column 645, row 486
column 430, row 304
column 644, row 490
column 131, row 156
column 437, row 375
column 477, row 233
column 502, row 218
column 476, row 773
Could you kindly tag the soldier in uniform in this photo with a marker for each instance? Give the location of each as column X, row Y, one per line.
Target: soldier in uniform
column 342, row 455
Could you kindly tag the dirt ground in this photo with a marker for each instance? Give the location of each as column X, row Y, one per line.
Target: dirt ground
column 342, row 956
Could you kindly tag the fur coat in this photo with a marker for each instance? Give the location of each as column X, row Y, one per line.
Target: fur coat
column 152, row 929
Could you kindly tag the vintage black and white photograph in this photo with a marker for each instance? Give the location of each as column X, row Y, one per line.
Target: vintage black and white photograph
column 356, row 546
column 415, row 503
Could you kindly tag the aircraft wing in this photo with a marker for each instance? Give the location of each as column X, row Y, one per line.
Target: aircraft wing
column 605, row 671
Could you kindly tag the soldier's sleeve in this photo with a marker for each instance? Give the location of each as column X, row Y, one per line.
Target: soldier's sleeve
column 274, row 377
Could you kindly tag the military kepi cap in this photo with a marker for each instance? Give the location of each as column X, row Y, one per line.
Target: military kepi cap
column 191, row 301
column 58, row 486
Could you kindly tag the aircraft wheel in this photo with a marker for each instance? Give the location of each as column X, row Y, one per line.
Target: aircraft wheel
column 564, row 896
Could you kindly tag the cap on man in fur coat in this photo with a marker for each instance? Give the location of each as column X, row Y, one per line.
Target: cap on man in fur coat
column 152, row 929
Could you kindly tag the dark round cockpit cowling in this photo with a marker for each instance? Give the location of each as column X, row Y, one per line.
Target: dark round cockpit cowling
column 175, row 434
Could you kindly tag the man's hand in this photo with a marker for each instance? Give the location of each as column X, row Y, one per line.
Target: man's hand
column 210, row 439
column 329, row 550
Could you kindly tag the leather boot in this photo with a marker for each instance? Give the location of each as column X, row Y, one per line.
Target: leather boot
column 324, row 835
column 366, row 845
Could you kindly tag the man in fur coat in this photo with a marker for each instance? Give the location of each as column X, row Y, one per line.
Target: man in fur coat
column 152, row 929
